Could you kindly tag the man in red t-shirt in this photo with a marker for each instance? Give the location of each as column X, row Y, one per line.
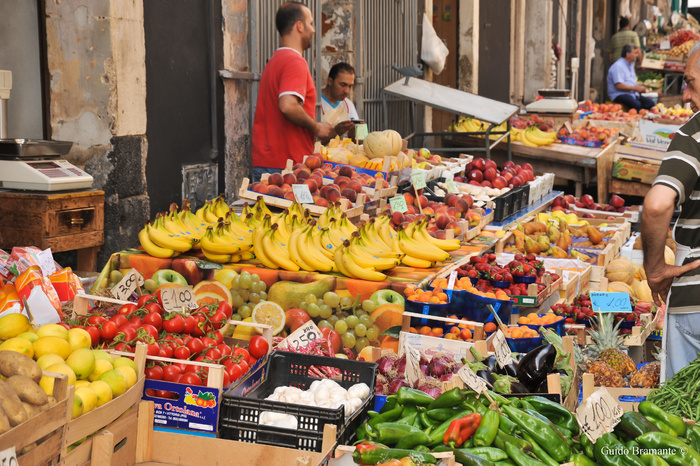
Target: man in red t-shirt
column 284, row 125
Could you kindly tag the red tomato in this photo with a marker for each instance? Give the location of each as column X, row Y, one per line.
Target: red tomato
column 218, row 336
column 143, row 299
column 154, row 307
column 333, row 338
column 124, row 347
column 214, row 354
column 154, row 373
column 198, row 329
column 166, row 351
column 209, row 342
column 108, row 330
column 174, row 323
column 191, row 379
column 258, row 346
column 226, row 308
column 135, row 320
column 129, row 333
column 119, row 319
column 94, row 334
column 96, row 319
column 171, row 373
column 190, row 323
column 127, row 309
column 242, row 352
column 218, row 319
column 244, row 366
column 151, row 330
column 224, row 349
column 182, row 352
column 235, row 372
column 195, row 345
column 155, row 319
column 227, row 379
column 152, row 349
column 64, row 325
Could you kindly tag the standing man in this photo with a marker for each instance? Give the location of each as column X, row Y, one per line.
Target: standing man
column 622, row 81
column 624, row 36
column 285, row 125
column 335, row 101
column 677, row 185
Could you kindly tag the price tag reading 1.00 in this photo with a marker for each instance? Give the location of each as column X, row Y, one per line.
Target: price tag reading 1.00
column 501, row 348
column 418, row 180
column 8, row 457
column 177, row 297
column 603, row 301
column 302, row 194
column 470, row 379
column 598, row 414
column 398, row 204
column 302, row 336
column 127, row 285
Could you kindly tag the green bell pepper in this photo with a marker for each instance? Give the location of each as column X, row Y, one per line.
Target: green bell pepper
column 488, row 429
column 389, row 404
column 555, row 412
column 373, row 454
column 502, row 439
column 564, row 433
column 408, row 410
column 412, row 440
column 520, row 457
column 580, row 459
column 539, row 452
column 489, row 453
column 672, row 449
column 410, row 419
column 463, row 457
column 632, row 424
column 441, row 414
column 545, row 435
column 657, row 415
column 426, row 421
column 411, row 396
column 389, row 433
column 692, row 434
column 386, row 416
column 587, row 445
column 449, row 399
column 653, row 460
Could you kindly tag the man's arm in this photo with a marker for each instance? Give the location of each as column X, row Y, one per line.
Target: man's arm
column 626, row 87
column 292, row 110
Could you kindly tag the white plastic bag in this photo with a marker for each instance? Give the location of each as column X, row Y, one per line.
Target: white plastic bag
column 433, row 50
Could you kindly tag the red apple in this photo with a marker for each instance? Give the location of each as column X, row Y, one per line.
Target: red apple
column 616, row 201
column 587, row 200
column 490, row 173
column 476, row 175
column 479, row 163
column 499, row 182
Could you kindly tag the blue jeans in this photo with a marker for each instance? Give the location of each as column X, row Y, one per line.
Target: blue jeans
column 636, row 103
column 258, row 172
column 682, row 338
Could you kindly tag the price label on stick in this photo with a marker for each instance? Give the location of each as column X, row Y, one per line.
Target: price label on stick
column 418, row 180
column 470, row 379
column 398, row 204
column 598, row 414
column 177, row 297
column 450, row 184
column 8, row 457
column 302, row 194
column 127, row 285
column 451, row 283
column 610, row 302
column 501, row 348
column 361, row 131
column 302, row 336
column 412, row 364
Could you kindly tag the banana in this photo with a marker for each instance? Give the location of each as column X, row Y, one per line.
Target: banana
column 218, row 258
column 417, row 263
column 259, row 248
column 161, row 237
column 367, row 260
column 193, row 223
column 173, row 227
column 316, row 241
column 260, row 209
column 533, row 135
column 526, row 140
column 275, row 252
column 294, row 252
column 209, row 214
column 311, row 255
column 242, row 256
column 551, row 136
column 220, row 207
column 153, row 249
column 421, row 234
column 357, row 271
column 209, row 245
column 421, row 250
column 338, row 259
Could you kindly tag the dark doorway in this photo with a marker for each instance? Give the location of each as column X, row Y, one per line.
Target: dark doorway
column 494, row 49
column 446, row 24
column 179, row 67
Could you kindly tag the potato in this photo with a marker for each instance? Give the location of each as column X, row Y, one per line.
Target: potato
column 4, row 422
column 31, row 409
column 52, row 401
column 28, row 448
column 11, row 404
column 14, row 363
column 28, row 390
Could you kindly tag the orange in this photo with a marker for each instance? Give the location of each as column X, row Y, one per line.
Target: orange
column 409, row 291
column 490, row 295
column 212, row 286
column 413, row 330
column 208, row 298
column 523, row 320
column 413, row 297
column 533, row 316
column 454, row 330
column 387, row 316
column 451, row 336
column 442, row 297
column 434, row 300
column 424, row 330
column 391, row 343
column 437, row 331
column 466, row 334
column 437, row 290
column 424, row 298
column 516, row 333
column 490, row 327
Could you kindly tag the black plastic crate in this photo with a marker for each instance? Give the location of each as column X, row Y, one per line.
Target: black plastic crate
column 503, row 206
column 516, row 199
column 239, row 416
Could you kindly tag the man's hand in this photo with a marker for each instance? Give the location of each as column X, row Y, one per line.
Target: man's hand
column 639, row 88
column 344, row 126
column 660, row 283
column 323, row 131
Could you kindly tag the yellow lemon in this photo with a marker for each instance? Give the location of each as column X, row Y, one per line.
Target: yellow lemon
column 30, row 336
column 13, row 324
column 102, row 390
column 101, row 366
column 20, row 345
column 269, row 313
column 79, row 338
column 81, row 383
column 77, row 406
column 46, row 383
column 116, row 381
column 48, row 360
column 100, row 354
column 244, row 333
column 225, row 276
column 52, row 330
column 124, row 361
column 52, row 344
column 130, row 375
column 88, row 397
column 82, row 361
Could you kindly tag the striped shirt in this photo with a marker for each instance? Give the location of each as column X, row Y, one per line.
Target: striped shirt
column 617, row 41
column 680, row 171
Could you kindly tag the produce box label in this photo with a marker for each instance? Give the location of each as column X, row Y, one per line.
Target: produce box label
column 191, row 407
column 257, row 376
column 657, row 133
column 418, row 180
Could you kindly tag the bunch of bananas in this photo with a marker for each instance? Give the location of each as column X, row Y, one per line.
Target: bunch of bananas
column 212, row 211
column 533, row 136
column 472, row 125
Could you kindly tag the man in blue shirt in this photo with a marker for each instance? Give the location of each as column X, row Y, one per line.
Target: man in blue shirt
column 622, row 81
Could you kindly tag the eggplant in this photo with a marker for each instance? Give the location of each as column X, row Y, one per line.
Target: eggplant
column 510, row 369
column 491, row 363
column 535, row 365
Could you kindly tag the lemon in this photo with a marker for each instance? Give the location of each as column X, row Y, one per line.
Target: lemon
column 101, row 366
column 13, row 324
column 29, row 336
column 100, row 354
column 116, row 381
column 77, row 407
column 46, row 383
column 244, row 333
column 130, row 375
column 124, row 361
column 79, row 338
column 48, row 360
column 225, row 276
column 82, row 361
column 88, row 397
column 52, row 344
column 20, row 345
column 102, row 390
column 81, row 383
column 269, row 313
column 53, row 330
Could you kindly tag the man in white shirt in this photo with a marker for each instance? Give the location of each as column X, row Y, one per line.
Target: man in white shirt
column 335, row 105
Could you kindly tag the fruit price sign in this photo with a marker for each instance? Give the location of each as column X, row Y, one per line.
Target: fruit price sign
column 192, row 407
column 412, row 364
column 361, row 131
column 501, row 348
column 127, row 285
column 450, row 184
column 398, row 204
column 598, row 414
column 301, row 336
column 418, row 180
column 470, row 379
column 177, row 297
column 610, row 302
column 302, row 194
column 46, row 262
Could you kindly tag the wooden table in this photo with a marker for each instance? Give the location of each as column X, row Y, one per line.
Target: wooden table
column 63, row 221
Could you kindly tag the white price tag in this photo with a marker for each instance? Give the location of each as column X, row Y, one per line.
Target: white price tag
column 450, row 184
column 301, row 336
column 598, row 414
column 398, row 204
column 501, row 348
column 665, row 45
column 470, row 379
column 46, row 262
column 127, row 285
column 302, row 194
column 177, row 297
column 452, row 280
column 418, row 180
column 412, row 364
column 8, row 457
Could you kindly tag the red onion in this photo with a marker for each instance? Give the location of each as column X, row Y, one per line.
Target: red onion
column 395, row 384
column 436, row 368
column 400, row 365
column 446, row 378
column 431, row 387
column 423, row 368
column 385, row 363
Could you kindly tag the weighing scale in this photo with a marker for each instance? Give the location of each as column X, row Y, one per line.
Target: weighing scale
column 34, row 164
column 554, row 101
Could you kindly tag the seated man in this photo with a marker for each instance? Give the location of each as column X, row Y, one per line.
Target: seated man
column 622, row 81
column 336, row 108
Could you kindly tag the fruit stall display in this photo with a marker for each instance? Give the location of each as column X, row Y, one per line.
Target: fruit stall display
column 533, row 131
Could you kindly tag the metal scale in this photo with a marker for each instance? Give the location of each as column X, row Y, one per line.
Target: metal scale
column 34, row 164
column 554, row 101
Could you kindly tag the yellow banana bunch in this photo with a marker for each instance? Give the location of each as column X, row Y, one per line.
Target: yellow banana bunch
column 226, row 242
column 163, row 238
column 206, row 213
column 219, row 206
column 347, row 262
column 420, row 233
column 420, row 249
column 153, row 249
column 535, row 137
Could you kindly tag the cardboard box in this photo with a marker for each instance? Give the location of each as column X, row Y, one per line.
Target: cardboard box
column 653, row 64
column 657, row 134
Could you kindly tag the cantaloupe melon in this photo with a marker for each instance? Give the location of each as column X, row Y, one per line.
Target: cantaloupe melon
column 620, row 270
column 643, row 292
column 382, row 144
column 620, row 287
column 669, row 256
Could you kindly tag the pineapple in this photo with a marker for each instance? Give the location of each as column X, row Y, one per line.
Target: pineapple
column 607, row 346
column 604, row 375
column 647, row 377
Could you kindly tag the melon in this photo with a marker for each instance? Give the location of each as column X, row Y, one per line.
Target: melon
column 395, row 141
column 358, row 160
column 620, row 270
column 669, row 256
column 620, row 287
column 380, row 144
column 643, row 292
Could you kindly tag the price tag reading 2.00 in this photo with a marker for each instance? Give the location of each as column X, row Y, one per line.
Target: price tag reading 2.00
column 177, row 297
column 598, row 414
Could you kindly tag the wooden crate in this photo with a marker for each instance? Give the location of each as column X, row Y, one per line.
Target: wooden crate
column 615, row 392
column 47, row 428
column 60, row 221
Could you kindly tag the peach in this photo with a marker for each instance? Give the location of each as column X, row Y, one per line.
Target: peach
column 410, row 200
column 333, row 195
column 346, row 171
column 297, row 166
column 454, row 212
column 473, row 218
column 499, row 182
column 428, row 211
column 342, row 184
column 317, row 179
column 259, row 188
column 290, row 178
column 441, row 234
column 302, row 174
column 397, row 218
column 409, row 217
column 290, row 196
column 469, row 199
column 276, row 191
column 350, row 193
column 312, row 184
column 456, row 227
column 324, row 189
column 462, row 206
column 441, row 221
column 422, row 216
column 355, row 185
column 411, row 209
column 423, row 201
column 314, row 161
column 321, row 202
column 450, row 199
column 276, row 178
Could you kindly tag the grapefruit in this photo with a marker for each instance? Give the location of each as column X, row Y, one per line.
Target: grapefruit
column 206, row 297
column 387, row 316
column 213, row 286
column 269, row 313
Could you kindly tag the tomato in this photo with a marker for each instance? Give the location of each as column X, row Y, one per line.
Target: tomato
column 258, row 346
column 108, row 330
column 182, row 352
column 214, row 354
column 119, row 319
column 128, row 332
column 164, row 394
column 154, row 307
column 173, row 323
column 195, row 345
column 96, row 319
column 235, row 372
column 143, row 299
column 244, row 366
column 154, row 319
column 154, row 373
column 227, row 379
column 190, row 323
column 218, row 319
column 218, row 336
column 224, row 349
column 127, row 309
column 191, row 379
column 225, row 307
column 135, row 319
column 208, row 342
column 166, row 351
column 242, row 352
column 152, row 349
column 64, row 325
column 151, row 330
column 124, row 347
column 172, row 373
column 200, row 323
column 333, row 338
column 94, row 334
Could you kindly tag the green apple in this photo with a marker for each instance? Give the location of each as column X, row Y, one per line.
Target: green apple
column 163, row 276
column 387, row 297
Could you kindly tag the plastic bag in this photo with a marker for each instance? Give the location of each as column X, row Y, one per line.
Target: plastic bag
column 433, row 50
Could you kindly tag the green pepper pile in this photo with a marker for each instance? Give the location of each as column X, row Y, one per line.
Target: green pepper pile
column 524, row 432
